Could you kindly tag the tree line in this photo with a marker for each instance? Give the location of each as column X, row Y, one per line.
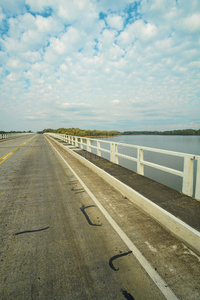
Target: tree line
column 83, row 132
column 106, row 133
column 169, row 132
column 13, row 131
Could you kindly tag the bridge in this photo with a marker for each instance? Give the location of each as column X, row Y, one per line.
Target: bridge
column 75, row 225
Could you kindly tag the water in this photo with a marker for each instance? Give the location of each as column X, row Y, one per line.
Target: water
column 183, row 144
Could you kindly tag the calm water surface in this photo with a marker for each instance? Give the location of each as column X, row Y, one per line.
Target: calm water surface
column 184, row 144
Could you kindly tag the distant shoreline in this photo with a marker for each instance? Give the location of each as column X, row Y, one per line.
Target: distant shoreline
column 184, row 132
column 110, row 133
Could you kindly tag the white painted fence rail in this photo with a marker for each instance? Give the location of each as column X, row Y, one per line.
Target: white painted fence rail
column 11, row 135
column 113, row 150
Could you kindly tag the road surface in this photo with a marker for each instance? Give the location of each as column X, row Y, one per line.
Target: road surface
column 57, row 244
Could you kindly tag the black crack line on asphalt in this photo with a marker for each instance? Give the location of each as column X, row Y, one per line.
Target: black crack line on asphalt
column 78, row 191
column 73, row 182
column 127, row 295
column 86, row 215
column 30, row 231
column 115, row 257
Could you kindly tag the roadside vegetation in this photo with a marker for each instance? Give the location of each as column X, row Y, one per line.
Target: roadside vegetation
column 83, row 132
column 3, row 132
column 172, row 132
column 106, row 133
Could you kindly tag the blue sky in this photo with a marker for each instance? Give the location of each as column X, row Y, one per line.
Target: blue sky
column 104, row 64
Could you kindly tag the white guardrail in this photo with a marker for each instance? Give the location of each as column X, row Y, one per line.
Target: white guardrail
column 113, row 150
column 11, row 135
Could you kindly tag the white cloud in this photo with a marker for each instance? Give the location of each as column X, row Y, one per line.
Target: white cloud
column 115, row 22
column 192, row 23
column 68, row 41
column 48, row 25
column 2, row 16
column 39, row 5
column 63, row 68
column 107, row 38
column 12, row 7
column 137, row 30
column 71, row 105
column 116, row 5
column 68, row 58
column 81, row 14
column 31, row 56
column 145, row 31
column 28, row 33
column 156, row 10
column 115, row 101
column 13, row 77
column 68, row 11
column 195, row 64
column 14, row 64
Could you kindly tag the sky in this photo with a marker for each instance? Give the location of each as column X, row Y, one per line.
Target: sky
column 99, row 64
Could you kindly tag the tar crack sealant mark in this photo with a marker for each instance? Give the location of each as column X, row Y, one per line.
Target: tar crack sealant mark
column 86, row 215
column 127, row 295
column 115, row 257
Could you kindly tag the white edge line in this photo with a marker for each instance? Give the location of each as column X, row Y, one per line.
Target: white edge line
column 157, row 279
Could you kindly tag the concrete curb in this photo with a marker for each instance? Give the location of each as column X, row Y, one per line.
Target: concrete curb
column 170, row 222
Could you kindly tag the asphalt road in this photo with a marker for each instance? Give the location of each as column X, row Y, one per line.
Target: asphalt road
column 56, row 243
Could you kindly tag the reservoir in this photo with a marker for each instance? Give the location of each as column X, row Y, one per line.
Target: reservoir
column 183, row 144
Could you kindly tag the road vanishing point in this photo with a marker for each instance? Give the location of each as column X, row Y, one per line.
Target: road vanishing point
column 65, row 233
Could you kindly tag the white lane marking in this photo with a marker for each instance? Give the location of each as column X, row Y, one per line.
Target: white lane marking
column 157, row 279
